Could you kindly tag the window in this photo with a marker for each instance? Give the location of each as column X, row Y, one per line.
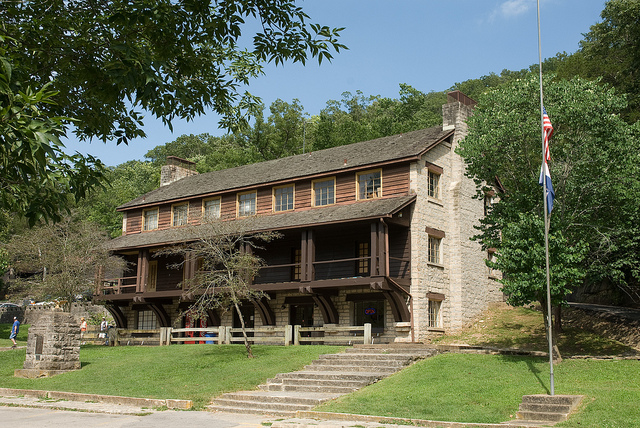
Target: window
column 434, row 185
column 150, row 219
column 179, row 214
column 434, row 250
column 434, row 313
column 246, row 204
column 283, row 198
column 362, row 264
column 296, row 260
column 146, row 320
column 211, row 208
column 434, row 245
column 369, row 184
column 371, row 311
column 324, row 192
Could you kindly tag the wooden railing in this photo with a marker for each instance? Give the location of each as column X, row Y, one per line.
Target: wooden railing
column 118, row 285
column 329, row 334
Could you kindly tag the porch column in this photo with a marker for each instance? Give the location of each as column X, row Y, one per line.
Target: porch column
column 379, row 248
column 307, row 256
column 143, row 270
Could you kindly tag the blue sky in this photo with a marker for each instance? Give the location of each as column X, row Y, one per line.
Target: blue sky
column 428, row 44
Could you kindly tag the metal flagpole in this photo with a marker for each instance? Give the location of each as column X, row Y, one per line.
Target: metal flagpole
column 546, row 219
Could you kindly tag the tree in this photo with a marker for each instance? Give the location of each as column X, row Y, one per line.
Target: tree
column 110, row 59
column 594, row 169
column 225, row 250
column 58, row 261
column 36, row 175
column 611, row 48
column 125, row 182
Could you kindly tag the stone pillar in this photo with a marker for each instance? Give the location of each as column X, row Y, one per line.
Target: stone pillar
column 53, row 345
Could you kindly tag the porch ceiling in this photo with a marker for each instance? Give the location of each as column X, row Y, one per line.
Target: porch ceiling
column 364, row 210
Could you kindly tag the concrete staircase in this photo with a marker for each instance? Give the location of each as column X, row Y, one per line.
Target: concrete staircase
column 546, row 409
column 326, row 378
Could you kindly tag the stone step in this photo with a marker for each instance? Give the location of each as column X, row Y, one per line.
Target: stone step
column 253, row 410
column 283, row 397
column 384, row 371
column 328, row 375
column 240, row 404
column 542, row 416
column 317, row 382
column 572, row 400
column 327, row 389
column 546, row 408
column 368, row 357
column 396, row 365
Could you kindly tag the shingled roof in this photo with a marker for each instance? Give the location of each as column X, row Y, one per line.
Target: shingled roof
column 374, row 208
column 380, row 150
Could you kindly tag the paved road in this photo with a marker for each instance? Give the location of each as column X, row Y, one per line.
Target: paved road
column 21, row 417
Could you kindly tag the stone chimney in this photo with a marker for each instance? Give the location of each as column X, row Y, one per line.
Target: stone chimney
column 176, row 169
column 456, row 111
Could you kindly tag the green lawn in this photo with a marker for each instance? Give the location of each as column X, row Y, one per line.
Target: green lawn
column 489, row 388
column 449, row 387
column 195, row 372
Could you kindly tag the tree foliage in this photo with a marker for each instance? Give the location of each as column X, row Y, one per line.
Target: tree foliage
column 595, row 173
column 110, row 60
column 58, row 261
column 36, row 176
column 225, row 250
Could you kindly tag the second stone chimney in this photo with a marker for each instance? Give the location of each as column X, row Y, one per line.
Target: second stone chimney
column 457, row 109
column 176, row 169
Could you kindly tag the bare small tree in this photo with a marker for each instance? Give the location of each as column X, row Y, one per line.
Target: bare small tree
column 58, row 260
column 224, row 254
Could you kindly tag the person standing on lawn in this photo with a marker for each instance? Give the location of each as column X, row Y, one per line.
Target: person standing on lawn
column 104, row 325
column 83, row 329
column 15, row 328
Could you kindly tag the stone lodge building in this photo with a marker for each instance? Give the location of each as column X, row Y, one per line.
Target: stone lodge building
column 372, row 232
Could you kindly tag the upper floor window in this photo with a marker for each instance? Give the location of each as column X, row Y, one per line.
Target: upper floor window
column 211, row 208
column 247, row 204
column 434, row 185
column 179, row 214
column 296, row 261
column 324, row 192
column 150, row 219
column 369, row 184
column 434, row 245
column 283, row 198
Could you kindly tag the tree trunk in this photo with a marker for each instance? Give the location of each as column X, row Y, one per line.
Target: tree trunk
column 247, row 345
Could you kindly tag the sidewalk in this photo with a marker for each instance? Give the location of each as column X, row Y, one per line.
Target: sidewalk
column 132, row 406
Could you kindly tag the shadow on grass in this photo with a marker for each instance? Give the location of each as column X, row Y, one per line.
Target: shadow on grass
column 530, row 362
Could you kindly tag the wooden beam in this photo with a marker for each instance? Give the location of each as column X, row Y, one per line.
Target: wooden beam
column 327, row 308
column 266, row 313
column 399, row 308
column 118, row 316
column 161, row 314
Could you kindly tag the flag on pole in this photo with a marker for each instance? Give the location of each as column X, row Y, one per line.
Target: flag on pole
column 544, row 170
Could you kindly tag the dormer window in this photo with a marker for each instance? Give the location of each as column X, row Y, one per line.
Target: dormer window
column 247, row 204
column 324, row 192
column 369, row 184
column 283, row 198
column 150, row 219
column 211, row 208
column 180, row 214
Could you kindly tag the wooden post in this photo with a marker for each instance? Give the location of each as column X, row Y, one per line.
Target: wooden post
column 227, row 335
column 367, row 333
column 296, row 334
column 287, row 334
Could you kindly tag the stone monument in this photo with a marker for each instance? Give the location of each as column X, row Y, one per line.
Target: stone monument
column 53, row 345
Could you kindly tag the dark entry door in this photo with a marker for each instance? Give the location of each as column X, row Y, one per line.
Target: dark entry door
column 301, row 315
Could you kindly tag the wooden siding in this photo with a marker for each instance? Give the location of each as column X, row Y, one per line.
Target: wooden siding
column 395, row 182
column 399, row 248
column 168, row 278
